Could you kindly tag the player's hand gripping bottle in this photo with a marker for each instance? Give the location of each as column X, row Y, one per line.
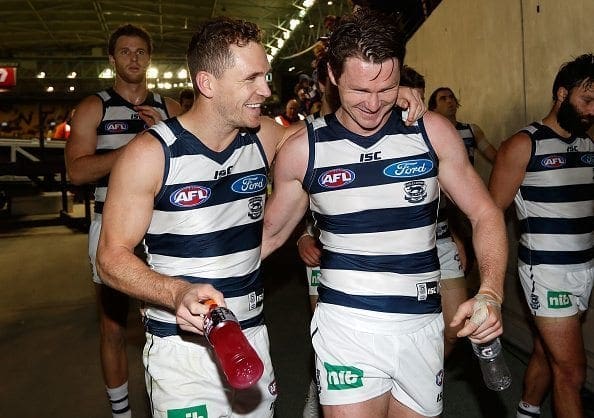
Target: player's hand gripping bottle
column 240, row 363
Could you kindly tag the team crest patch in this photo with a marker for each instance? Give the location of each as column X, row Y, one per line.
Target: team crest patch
column 534, row 302
column 189, row 196
column 255, row 207
column 439, row 378
column 588, row 159
column 415, row 191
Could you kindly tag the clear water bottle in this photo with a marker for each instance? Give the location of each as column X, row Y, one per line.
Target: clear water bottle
column 495, row 372
column 240, row 363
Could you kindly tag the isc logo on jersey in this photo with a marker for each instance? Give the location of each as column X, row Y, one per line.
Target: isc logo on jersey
column 553, row 161
column 409, row 168
column 116, row 127
column 336, row 177
column 189, row 196
column 250, row 184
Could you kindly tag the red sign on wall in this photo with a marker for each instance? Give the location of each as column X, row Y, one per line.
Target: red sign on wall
column 7, row 77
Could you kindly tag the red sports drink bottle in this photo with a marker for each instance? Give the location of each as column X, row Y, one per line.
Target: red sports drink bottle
column 240, row 363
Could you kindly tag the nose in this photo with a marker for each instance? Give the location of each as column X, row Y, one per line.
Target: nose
column 372, row 103
column 263, row 89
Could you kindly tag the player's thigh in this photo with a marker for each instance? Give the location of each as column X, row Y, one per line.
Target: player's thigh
column 563, row 340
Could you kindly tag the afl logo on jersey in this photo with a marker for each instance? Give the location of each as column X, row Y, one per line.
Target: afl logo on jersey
column 250, row 184
column 553, row 161
column 409, row 168
column 189, row 196
column 116, row 127
column 337, row 177
column 588, row 159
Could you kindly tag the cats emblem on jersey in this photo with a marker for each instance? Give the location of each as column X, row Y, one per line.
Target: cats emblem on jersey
column 337, row 177
column 415, row 191
column 553, row 161
column 409, row 168
column 189, row 196
column 588, row 159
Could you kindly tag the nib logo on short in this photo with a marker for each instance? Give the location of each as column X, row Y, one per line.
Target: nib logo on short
column 198, row 411
column 343, row 377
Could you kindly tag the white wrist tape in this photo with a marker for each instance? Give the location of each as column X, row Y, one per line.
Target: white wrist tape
column 480, row 310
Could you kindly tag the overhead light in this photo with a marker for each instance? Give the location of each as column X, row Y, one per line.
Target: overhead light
column 280, row 42
column 152, row 72
column 167, row 74
column 182, row 74
column 150, row 85
column 72, row 75
column 311, row 26
column 50, row 89
column 302, row 13
column 41, row 74
column 330, row 3
column 293, row 23
column 71, row 88
column 273, row 51
column 106, row 73
column 269, row 57
column 286, row 35
column 308, row 3
column 291, row 69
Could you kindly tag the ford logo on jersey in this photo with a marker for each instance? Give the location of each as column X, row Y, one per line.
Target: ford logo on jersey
column 250, row 184
column 115, row 127
column 553, row 161
column 588, row 159
column 336, row 177
column 189, row 196
column 409, row 168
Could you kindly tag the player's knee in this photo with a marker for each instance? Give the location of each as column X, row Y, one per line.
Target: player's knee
column 569, row 375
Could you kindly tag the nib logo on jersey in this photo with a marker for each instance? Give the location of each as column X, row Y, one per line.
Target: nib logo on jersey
column 337, row 177
column 189, row 196
column 192, row 412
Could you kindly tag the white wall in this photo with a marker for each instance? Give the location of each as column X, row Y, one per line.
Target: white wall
column 500, row 58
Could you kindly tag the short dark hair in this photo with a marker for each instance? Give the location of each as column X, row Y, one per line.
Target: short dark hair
column 409, row 77
column 575, row 73
column 432, row 104
column 208, row 49
column 129, row 30
column 368, row 35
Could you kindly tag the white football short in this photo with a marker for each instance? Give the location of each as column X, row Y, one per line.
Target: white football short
column 354, row 365
column 556, row 292
column 449, row 260
column 183, row 379
column 313, row 279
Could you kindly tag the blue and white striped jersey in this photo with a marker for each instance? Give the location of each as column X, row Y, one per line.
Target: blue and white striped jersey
column 555, row 202
column 375, row 202
column 208, row 218
column 120, row 123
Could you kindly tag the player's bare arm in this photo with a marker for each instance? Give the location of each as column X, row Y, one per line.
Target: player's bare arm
column 483, row 145
column 288, row 202
column 460, row 181
column 509, row 169
column 82, row 162
column 134, row 182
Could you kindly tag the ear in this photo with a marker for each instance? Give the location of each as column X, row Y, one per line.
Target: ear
column 562, row 93
column 331, row 76
column 205, row 83
column 111, row 60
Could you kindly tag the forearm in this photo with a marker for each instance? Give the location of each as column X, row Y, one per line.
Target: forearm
column 491, row 248
column 124, row 271
column 90, row 168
